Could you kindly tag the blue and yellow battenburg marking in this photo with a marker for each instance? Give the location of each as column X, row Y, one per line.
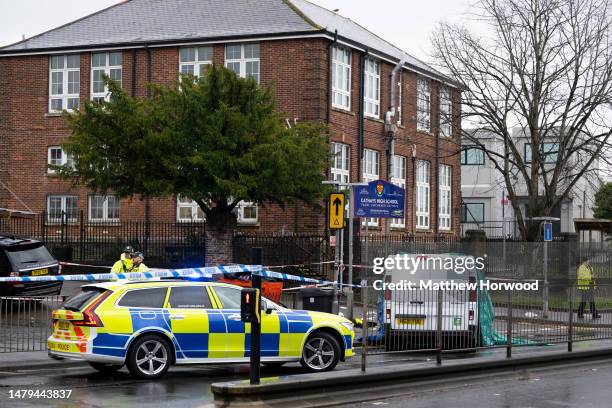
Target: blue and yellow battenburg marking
column 203, row 333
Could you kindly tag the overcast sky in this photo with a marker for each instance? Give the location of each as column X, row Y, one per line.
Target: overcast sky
column 405, row 23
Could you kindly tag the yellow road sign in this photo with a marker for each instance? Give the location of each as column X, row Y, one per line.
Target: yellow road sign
column 336, row 210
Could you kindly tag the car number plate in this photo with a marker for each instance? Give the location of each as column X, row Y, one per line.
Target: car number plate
column 38, row 272
column 409, row 320
column 62, row 325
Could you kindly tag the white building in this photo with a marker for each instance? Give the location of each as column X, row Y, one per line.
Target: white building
column 484, row 192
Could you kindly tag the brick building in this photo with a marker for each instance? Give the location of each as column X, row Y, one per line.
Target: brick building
column 321, row 65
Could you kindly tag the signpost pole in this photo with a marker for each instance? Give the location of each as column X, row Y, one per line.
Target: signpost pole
column 256, row 259
column 349, row 293
column 547, row 238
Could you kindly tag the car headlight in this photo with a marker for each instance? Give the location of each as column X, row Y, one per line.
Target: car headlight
column 348, row 325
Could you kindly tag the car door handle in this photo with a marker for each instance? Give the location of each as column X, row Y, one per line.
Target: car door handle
column 234, row 317
column 177, row 317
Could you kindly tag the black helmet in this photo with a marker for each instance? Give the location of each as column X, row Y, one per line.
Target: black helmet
column 138, row 254
column 128, row 250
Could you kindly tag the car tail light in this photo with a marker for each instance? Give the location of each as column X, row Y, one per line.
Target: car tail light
column 473, row 295
column 387, row 294
column 471, row 315
column 387, row 291
column 90, row 318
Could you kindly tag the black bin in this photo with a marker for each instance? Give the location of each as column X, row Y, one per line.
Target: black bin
column 317, row 299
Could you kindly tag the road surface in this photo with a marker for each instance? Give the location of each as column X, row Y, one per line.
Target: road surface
column 585, row 385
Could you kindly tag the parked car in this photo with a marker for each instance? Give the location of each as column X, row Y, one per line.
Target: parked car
column 152, row 325
column 21, row 257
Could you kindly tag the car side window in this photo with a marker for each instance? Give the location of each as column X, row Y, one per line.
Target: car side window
column 229, row 297
column 189, row 297
column 149, row 298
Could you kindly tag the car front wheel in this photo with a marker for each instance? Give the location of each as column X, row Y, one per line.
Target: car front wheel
column 321, row 353
column 149, row 357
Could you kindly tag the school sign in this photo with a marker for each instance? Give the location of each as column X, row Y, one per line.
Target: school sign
column 379, row 199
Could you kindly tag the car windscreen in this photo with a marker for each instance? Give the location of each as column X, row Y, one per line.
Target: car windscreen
column 82, row 299
column 27, row 256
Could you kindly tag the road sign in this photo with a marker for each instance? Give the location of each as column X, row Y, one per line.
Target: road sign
column 379, row 199
column 548, row 231
column 336, row 210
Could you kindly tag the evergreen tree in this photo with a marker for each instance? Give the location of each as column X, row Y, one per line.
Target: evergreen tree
column 217, row 140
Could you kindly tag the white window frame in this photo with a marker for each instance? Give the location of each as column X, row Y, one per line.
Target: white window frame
column 371, row 172
column 105, row 217
column 63, row 207
column 446, row 112
column 341, row 78
column 197, row 214
column 107, row 68
column 444, row 208
column 199, row 63
column 423, row 105
column 244, row 60
column 423, row 197
column 371, row 95
column 65, row 158
column 398, row 178
column 240, row 207
column 65, row 71
column 341, row 165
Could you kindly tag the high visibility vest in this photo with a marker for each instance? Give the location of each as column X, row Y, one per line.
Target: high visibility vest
column 585, row 277
column 139, row 268
column 122, row 266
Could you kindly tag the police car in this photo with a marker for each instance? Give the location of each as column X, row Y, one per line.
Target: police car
column 152, row 325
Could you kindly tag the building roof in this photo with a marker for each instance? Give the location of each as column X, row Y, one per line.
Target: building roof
column 153, row 22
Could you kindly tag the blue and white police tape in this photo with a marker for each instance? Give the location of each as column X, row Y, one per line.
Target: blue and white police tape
column 195, row 273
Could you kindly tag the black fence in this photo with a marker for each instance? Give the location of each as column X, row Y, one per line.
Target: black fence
column 164, row 244
column 306, row 255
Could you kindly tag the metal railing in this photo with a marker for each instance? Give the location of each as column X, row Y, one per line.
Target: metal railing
column 441, row 321
column 25, row 322
column 76, row 239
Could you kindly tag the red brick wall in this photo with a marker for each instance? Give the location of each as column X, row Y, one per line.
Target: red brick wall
column 297, row 70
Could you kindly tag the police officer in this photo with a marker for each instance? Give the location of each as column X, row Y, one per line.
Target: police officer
column 137, row 265
column 586, row 287
column 124, row 264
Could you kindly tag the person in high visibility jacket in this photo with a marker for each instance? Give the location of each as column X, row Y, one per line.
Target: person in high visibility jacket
column 586, row 286
column 124, row 264
column 137, row 265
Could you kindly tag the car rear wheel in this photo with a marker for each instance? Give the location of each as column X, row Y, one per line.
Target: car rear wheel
column 106, row 368
column 149, row 357
column 321, row 353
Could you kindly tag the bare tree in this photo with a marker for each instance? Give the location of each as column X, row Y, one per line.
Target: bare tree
column 544, row 66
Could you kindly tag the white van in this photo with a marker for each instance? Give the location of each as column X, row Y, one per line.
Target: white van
column 411, row 316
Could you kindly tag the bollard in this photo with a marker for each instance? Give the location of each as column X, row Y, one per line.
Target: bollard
column 570, row 323
column 509, row 326
column 439, row 330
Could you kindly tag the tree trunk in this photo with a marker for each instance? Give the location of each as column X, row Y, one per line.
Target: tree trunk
column 219, row 246
column 219, row 234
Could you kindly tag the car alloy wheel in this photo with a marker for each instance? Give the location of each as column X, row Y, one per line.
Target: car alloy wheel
column 149, row 357
column 321, row 353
